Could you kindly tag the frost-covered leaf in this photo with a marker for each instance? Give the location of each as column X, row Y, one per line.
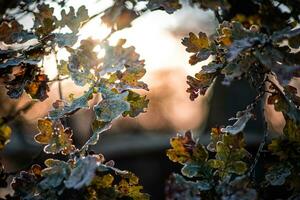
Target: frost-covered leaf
column 5, row 133
column 65, row 39
column 285, row 65
column 292, row 35
column 242, row 117
column 179, row 188
column 278, row 174
column 111, row 106
column 54, row 174
column 62, row 108
column 83, row 173
column 24, row 185
column 55, row 137
column 82, row 60
column 230, row 154
column 190, row 170
column 237, row 189
column 117, row 57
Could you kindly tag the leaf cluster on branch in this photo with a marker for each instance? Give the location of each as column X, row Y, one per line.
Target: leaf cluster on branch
column 256, row 40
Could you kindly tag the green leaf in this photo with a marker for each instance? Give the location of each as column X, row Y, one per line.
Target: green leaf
column 72, row 20
column 238, row 167
column 216, row 163
column 223, row 151
column 138, row 104
column 62, row 68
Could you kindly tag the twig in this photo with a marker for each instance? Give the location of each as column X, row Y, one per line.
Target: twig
column 94, row 16
column 60, row 92
column 251, row 172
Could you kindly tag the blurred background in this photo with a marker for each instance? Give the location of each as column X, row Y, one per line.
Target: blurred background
column 139, row 144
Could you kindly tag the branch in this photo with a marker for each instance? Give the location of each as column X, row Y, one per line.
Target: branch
column 94, row 16
column 251, row 172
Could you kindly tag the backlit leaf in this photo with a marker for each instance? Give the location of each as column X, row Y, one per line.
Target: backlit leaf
column 119, row 16
column 56, row 138
column 72, row 20
column 138, row 104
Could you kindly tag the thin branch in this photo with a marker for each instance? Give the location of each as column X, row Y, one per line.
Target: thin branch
column 94, row 16
column 251, row 172
column 57, row 78
column 60, row 91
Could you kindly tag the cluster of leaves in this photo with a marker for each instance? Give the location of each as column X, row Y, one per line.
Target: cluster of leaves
column 224, row 160
column 259, row 43
column 256, row 40
column 114, row 76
